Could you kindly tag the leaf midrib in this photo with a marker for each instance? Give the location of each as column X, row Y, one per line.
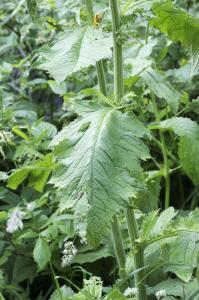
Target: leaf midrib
column 105, row 116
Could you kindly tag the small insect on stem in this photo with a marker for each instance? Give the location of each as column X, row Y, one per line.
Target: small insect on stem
column 97, row 20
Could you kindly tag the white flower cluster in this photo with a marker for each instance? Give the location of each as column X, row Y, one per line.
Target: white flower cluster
column 68, row 254
column 14, row 221
column 130, row 292
column 160, row 294
column 94, row 286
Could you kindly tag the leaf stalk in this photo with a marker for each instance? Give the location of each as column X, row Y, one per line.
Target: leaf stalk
column 164, row 153
column 138, row 253
column 118, row 245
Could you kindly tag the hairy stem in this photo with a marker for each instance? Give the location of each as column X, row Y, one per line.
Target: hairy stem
column 101, row 77
column 138, row 253
column 100, row 64
column 117, row 51
column 118, row 245
column 89, row 8
column 164, row 153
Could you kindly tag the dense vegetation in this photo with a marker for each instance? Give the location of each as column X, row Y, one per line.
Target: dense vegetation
column 99, row 147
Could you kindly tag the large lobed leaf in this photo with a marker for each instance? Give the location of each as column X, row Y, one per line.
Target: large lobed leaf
column 178, row 25
column 74, row 50
column 98, row 155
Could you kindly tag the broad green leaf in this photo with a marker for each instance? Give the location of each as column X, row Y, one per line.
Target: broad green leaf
column 183, row 270
column 24, row 268
column 153, row 225
column 177, row 288
column 139, row 57
column 178, row 25
column 188, row 131
column 41, row 172
column 161, row 88
column 183, row 251
column 131, row 7
column 37, row 174
column 149, row 201
column 148, row 224
column 90, row 256
column 181, row 126
column 41, row 253
column 44, row 130
column 58, row 88
column 115, row 294
column 98, row 155
column 189, row 158
column 163, row 221
column 65, row 292
column 74, row 50
column 17, row 177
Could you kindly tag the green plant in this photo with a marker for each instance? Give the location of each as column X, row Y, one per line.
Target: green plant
column 128, row 149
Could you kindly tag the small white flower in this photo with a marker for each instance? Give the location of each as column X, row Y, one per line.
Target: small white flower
column 160, row 294
column 68, row 254
column 14, row 221
column 30, row 206
column 130, row 292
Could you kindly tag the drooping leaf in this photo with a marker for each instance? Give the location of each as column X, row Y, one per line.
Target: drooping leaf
column 41, row 253
column 188, row 131
column 164, row 219
column 44, row 129
column 149, row 201
column 161, row 88
column 178, row 25
column 154, row 225
column 98, row 155
column 74, row 50
column 37, row 174
column 177, row 288
column 139, row 57
column 189, row 158
column 181, row 126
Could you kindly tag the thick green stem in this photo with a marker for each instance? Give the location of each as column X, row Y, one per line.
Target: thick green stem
column 165, row 156
column 138, row 254
column 100, row 64
column 89, row 8
column 101, row 77
column 117, row 51
column 118, row 245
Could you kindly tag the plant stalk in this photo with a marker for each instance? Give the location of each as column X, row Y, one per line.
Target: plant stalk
column 116, row 233
column 164, row 153
column 118, row 245
column 56, row 282
column 99, row 64
column 117, row 51
column 101, row 77
column 138, row 253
